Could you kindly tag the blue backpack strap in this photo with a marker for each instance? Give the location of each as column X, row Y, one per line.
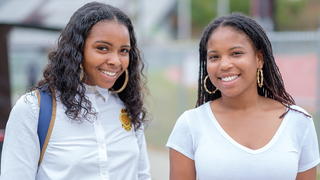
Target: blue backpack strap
column 46, row 119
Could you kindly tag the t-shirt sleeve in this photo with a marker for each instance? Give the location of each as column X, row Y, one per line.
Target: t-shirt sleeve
column 309, row 156
column 180, row 138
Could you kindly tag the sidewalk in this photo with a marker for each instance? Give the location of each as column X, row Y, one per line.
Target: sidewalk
column 159, row 162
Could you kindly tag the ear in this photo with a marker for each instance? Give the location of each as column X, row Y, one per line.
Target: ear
column 259, row 59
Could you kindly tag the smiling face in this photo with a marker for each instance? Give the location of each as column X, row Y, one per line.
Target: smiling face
column 232, row 62
column 106, row 53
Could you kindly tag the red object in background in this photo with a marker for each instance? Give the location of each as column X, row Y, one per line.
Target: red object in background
column 299, row 73
column 1, row 135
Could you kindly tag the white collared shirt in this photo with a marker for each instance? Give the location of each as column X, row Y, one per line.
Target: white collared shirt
column 98, row 150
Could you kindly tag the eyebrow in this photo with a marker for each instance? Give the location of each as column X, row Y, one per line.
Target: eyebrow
column 235, row 47
column 110, row 44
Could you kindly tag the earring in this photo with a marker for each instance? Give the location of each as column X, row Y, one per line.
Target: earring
column 81, row 72
column 260, row 77
column 205, row 86
column 126, row 80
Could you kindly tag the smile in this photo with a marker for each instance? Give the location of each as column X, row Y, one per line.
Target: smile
column 108, row 73
column 229, row 78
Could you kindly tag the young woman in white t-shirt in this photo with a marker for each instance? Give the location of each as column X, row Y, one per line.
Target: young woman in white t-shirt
column 245, row 125
column 96, row 74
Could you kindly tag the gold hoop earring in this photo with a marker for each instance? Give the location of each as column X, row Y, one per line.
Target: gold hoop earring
column 205, row 86
column 81, row 73
column 260, row 77
column 126, row 80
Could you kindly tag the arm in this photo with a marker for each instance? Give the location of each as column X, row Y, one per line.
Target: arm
column 181, row 167
column 310, row 174
column 182, row 147
column 144, row 165
column 309, row 156
column 20, row 153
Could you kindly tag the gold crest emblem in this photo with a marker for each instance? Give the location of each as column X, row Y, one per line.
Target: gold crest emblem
column 125, row 120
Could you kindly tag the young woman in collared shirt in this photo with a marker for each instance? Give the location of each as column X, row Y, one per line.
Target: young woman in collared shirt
column 245, row 125
column 96, row 74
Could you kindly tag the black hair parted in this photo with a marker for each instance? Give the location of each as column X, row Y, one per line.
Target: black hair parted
column 273, row 84
column 63, row 70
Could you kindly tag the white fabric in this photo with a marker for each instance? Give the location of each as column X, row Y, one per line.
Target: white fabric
column 293, row 149
column 96, row 150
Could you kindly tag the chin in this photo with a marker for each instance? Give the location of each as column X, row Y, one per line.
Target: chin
column 230, row 94
column 105, row 86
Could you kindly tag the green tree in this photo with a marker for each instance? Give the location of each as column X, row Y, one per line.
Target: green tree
column 242, row 6
column 204, row 11
column 288, row 14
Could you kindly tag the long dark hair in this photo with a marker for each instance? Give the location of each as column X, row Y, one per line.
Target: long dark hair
column 63, row 70
column 273, row 84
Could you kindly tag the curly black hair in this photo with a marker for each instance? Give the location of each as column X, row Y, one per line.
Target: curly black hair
column 63, row 70
column 273, row 84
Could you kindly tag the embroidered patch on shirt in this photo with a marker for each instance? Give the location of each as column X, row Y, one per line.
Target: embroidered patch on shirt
column 125, row 120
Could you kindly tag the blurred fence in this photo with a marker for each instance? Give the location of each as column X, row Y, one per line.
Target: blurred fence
column 298, row 57
column 172, row 73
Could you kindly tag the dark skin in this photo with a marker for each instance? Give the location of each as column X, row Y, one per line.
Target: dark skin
column 248, row 118
column 183, row 168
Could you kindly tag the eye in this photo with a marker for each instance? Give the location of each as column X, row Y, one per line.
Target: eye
column 237, row 53
column 124, row 51
column 102, row 48
column 213, row 57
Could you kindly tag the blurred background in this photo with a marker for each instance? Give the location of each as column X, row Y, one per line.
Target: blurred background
column 168, row 34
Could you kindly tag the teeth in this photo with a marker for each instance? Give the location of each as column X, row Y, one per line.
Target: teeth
column 108, row 73
column 229, row 78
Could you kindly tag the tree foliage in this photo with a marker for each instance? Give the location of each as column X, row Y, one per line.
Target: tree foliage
column 204, row 11
column 297, row 15
column 288, row 14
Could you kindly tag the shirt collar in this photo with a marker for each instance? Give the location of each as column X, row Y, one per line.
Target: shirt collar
column 104, row 93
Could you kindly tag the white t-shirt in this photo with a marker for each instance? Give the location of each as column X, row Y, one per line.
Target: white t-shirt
column 293, row 148
column 98, row 150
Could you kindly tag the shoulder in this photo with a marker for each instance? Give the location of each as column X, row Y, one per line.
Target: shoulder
column 192, row 116
column 28, row 101
column 25, row 112
column 299, row 120
column 299, row 116
column 198, row 110
column 297, row 110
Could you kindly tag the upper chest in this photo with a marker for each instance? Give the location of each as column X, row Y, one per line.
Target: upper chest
column 250, row 129
column 105, row 125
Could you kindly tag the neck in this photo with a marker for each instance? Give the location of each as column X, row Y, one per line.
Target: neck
column 243, row 102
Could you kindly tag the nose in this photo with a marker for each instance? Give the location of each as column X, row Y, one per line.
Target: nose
column 225, row 63
column 114, row 59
